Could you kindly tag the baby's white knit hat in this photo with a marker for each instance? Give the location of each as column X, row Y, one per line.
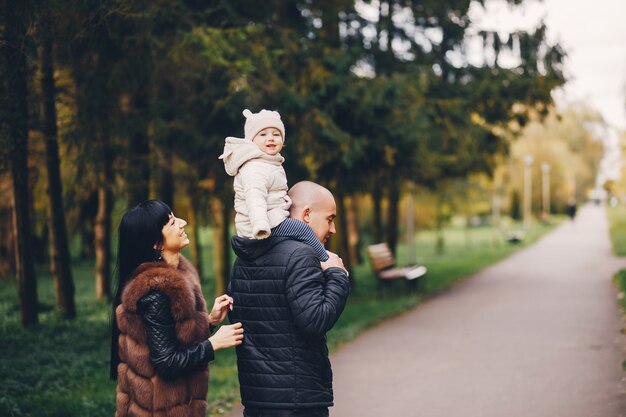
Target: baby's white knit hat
column 255, row 122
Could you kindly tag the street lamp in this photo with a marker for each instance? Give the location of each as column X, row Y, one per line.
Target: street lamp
column 545, row 182
column 528, row 163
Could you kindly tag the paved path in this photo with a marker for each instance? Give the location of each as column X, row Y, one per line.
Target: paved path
column 537, row 335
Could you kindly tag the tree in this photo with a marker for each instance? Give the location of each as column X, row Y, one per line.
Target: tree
column 565, row 143
column 91, row 60
column 467, row 107
column 16, row 116
column 137, row 29
column 59, row 248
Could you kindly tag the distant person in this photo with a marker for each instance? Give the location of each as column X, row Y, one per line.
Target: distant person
column 571, row 209
column 161, row 330
column 287, row 301
column 261, row 200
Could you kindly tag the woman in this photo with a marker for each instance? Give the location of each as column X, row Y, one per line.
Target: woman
column 160, row 344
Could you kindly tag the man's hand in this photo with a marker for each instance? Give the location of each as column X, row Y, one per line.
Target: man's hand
column 334, row 261
column 222, row 304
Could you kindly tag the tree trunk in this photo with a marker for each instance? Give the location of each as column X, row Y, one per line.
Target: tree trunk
column 196, row 247
column 354, row 239
column 342, row 232
column 330, row 24
column 377, row 197
column 383, row 53
column 410, row 225
column 166, row 174
column 440, row 242
column 59, row 247
column 7, row 245
column 467, row 230
column 102, row 220
column 138, row 174
column 334, row 243
column 87, row 238
column 221, row 242
column 226, row 210
column 102, row 241
column 87, row 215
column 392, row 215
column 17, row 121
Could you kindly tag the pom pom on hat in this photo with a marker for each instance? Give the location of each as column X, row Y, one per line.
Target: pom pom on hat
column 255, row 122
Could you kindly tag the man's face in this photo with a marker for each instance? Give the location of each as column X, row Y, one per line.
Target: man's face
column 321, row 218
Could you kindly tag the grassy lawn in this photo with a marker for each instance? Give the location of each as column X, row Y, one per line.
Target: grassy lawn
column 61, row 368
column 617, row 230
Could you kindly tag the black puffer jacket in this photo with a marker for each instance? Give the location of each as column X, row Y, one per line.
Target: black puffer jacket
column 286, row 304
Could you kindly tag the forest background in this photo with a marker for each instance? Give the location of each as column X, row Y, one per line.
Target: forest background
column 106, row 103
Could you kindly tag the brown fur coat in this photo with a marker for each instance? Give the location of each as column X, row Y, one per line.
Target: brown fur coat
column 140, row 392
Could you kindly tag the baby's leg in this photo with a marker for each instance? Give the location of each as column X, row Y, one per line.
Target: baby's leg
column 302, row 232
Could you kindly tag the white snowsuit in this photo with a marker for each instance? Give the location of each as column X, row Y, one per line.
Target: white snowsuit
column 260, row 184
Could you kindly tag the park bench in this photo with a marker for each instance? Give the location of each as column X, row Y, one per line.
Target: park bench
column 384, row 266
column 514, row 236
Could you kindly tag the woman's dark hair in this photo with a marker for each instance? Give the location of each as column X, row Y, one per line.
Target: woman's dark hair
column 138, row 232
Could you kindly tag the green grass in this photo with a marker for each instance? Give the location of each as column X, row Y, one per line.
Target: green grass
column 617, row 231
column 617, row 228
column 466, row 251
column 620, row 282
column 56, row 368
column 60, row 368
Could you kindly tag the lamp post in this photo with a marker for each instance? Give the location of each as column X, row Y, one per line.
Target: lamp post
column 528, row 163
column 545, row 182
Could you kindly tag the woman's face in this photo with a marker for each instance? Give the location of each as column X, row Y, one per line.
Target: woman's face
column 174, row 236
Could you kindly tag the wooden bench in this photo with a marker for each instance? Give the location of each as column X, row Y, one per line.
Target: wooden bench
column 385, row 266
column 515, row 236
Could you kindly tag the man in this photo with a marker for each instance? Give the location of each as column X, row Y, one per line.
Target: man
column 287, row 300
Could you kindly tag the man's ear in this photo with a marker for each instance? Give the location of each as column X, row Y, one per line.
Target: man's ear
column 306, row 213
column 157, row 246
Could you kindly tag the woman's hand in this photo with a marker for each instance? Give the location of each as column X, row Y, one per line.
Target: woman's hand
column 222, row 304
column 227, row 336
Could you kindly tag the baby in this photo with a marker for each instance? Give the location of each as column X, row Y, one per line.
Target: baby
column 261, row 200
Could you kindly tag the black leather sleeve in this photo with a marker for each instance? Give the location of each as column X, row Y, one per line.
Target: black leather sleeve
column 168, row 358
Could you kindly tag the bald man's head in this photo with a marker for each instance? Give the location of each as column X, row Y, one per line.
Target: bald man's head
column 307, row 193
column 314, row 205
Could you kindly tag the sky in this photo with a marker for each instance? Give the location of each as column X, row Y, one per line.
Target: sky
column 592, row 32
